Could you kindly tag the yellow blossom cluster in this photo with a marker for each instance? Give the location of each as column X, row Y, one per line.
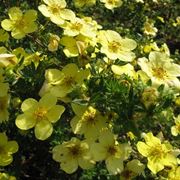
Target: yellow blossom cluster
column 66, row 72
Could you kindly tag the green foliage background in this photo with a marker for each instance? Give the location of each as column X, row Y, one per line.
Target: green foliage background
column 34, row 160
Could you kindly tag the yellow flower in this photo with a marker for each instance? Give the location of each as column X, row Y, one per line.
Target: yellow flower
column 5, row 176
column 158, row 154
column 151, row 47
column 20, row 24
column 160, row 69
column 73, row 46
column 53, row 43
column 111, row 151
column 79, row 26
column 175, row 130
column 116, row 47
column 87, row 121
column 133, row 168
column 72, row 154
column 84, row 3
column 149, row 28
column 39, row 115
column 60, row 83
column 7, row 148
column 111, row 4
column 56, row 11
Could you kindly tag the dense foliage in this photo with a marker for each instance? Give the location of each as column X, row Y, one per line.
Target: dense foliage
column 89, row 89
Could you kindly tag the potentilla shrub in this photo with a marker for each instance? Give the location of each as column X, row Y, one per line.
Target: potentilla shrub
column 89, row 89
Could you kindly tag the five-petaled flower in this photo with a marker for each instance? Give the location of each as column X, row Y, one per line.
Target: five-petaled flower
column 40, row 115
column 20, row 24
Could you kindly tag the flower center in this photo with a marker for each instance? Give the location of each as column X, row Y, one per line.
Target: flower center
column 127, row 174
column 90, row 116
column 112, row 150
column 55, row 9
column 75, row 150
column 112, row 2
column 20, row 23
column 160, row 73
column 40, row 113
column 114, row 46
column 77, row 26
column 69, row 81
column 157, row 151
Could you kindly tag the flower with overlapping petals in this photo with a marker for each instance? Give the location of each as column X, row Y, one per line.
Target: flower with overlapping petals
column 111, row 151
column 160, row 69
column 20, row 24
column 133, row 168
column 158, row 154
column 7, row 148
column 60, row 83
column 87, row 121
column 72, row 154
column 40, row 115
column 56, row 11
column 116, row 47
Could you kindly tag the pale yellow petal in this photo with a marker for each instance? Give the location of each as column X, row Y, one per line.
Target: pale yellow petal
column 69, row 166
column 3, row 139
column 59, row 153
column 48, row 101
column 57, row 20
column 128, row 44
column 18, row 34
column 15, row 13
column 44, row 10
column 67, row 14
column 75, row 125
column 106, row 138
column 85, row 163
column 114, row 165
column 155, row 166
column 5, row 159
column 55, row 113
column 12, row 147
column 78, row 109
column 54, row 76
column 25, row 122
column 30, row 15
column 98, row 151
column 43, row 130
column 70, row 69
column 7, row 24
column 28, row 104
column 143, row 148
